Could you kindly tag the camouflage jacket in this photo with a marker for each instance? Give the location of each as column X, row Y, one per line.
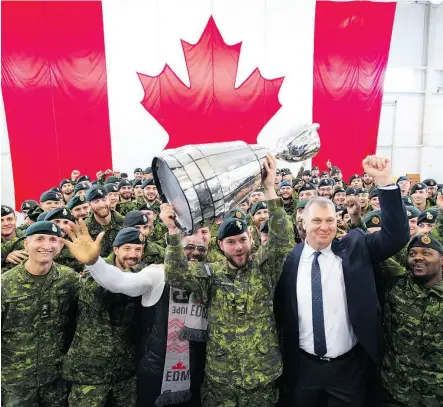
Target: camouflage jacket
column 158, row 234
column 124, row 207
column 38, row 322
column 104, row 347
column 412, row 370
column 9, row 246
column 153, row 253
column 66, row 258
column 291, row 208
column 243, row 346
column 111, row 231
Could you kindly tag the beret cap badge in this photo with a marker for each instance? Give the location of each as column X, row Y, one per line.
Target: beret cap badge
column 425, row 239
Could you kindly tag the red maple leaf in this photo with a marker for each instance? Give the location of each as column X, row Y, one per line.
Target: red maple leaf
column 179, row 366
column 211, row 109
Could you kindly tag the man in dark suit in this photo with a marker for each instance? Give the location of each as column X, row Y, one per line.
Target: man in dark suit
column 326, row 302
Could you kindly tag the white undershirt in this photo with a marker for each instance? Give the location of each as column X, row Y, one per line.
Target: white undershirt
column 340, row 337
column 149, row 282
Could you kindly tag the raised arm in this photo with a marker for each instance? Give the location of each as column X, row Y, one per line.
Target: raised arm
column 394, row 233
column 189, row 276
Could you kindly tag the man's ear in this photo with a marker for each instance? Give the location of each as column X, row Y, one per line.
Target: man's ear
column 220, row 244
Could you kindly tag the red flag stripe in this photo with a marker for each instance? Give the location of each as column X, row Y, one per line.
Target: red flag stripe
column 351, row 49
column 55, row 93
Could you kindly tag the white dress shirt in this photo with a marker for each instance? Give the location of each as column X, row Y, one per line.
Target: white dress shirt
column 340, row 337
column 149, row 282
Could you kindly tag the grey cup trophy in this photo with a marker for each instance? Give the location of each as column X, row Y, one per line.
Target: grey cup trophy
column 203, row 182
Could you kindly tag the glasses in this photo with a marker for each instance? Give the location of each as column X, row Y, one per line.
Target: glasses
column 191, row 248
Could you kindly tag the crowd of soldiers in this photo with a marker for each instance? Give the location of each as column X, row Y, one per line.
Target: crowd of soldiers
column 68, row 339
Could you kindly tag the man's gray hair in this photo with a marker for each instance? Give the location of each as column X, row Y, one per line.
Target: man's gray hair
column 319, row 201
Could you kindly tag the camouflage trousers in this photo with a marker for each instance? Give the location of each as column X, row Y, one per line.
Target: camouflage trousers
column 28, row 394
column 222, row 395
column 121, row 394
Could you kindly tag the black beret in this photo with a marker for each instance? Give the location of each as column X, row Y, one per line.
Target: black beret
column 147, row 182
column 257, row 206
column 324, row 173
column 41, row 216
column 354, row 177
column 137, row 182
column 55, row 189
column 264, row 227
column 50, row 196
column 124, row 175
column 314, row 180
column 138, row 170
column 403, row 178
column 231, row 227
column 326, row 183
column 361, row 191
column 412, row 212
column 260, row 189
column 335, row 170
column 418, row 187
column 34, row 213
column 287, row 171
column 7, row 210
column 43, row 227
column 337, row 179
column 301, row 204
column 278, row 171
column 428, row 216
column 430, row 182
column 65, row 181
column 339, row 208
column 96, row 192
column 148, row 170
column 76, row 201
column 307, row 173
column 373, row 219
column 81, row 186
column 426, row 241
column 59, row 213
column 351, row 191
column 146, row 207
column 83, row 178
column 135, row 218
column 28, row 204
column 308, row 187
column 338, row 190
column 112, row 180
column 111, row 187
column 129, row 235
column 315, row 168
column 407, row 200
column 373, row 193
column 284, row 184
column 124, row 183
column 237, row 213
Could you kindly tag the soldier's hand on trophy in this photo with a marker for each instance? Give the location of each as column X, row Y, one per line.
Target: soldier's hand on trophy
column 268, row 176
column 378, row 168
column 82, row 246
column 167, row 215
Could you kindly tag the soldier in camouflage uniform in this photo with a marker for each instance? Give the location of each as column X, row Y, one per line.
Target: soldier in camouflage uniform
column 138, row 191
column 101, row 362
column 259, row 213
column 126, row 204
column 81, row 189
column 412, row 213
column 79, row 208
column 412, row 370
column 12, row 248
column 289, row 203
column 150, row 193
column 243, row 357
column 432, row 190
column 102, row 218
column 153, row 253
column 419, row 195
column 50, row 200
column 62, row 217
column 25, row 208
column 39, row 301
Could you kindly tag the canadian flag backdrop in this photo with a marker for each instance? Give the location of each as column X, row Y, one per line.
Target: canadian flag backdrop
column 92, row 85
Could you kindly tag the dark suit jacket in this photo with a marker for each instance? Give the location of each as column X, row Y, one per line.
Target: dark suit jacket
column 358, row 250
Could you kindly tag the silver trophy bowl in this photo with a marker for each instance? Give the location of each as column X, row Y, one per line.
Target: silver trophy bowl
column 203, row 182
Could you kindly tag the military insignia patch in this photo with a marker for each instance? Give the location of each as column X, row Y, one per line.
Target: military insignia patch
column 65, row 212
column 142, row 237
column 145, row 219
column 54, row 228
column 429, row 216
column 99, row 191
column 26, row 205
column 409, row 213
column 264, row 205
column 426, row 239
column 6, row 209
column 81, row 197
column 238, row 223
column 375, row 220
column 238, row 214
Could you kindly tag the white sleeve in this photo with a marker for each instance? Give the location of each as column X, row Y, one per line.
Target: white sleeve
column 148, row 283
